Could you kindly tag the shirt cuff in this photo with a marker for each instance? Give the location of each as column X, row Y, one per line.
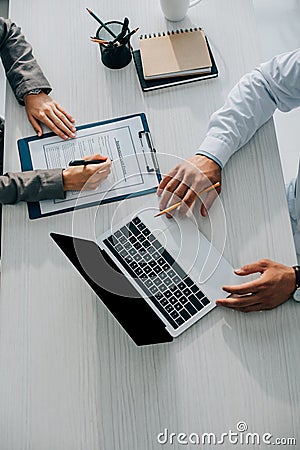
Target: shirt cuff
column 53, row 180
column 26, row 87
column 215, row 149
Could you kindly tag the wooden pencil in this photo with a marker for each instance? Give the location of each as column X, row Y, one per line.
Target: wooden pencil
column 176, row 205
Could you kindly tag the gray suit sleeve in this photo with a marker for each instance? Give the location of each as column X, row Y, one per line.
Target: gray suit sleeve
column 22, row 70
column 31, row 186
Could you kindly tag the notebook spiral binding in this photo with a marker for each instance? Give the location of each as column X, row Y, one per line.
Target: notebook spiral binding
column 169, row 32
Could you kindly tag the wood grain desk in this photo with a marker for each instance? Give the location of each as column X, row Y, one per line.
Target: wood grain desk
column 70, row 378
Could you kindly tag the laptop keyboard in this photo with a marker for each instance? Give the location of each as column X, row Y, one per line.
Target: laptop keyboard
column 170, row 289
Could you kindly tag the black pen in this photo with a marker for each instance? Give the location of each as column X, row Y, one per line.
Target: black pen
column 86, row 162
column 101, row 23
column 126, row 38
column 123, row 31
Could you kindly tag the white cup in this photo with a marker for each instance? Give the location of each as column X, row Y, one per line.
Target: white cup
column 175, row 10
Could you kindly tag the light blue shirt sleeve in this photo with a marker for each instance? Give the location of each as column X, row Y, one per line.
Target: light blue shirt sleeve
column 251, row 103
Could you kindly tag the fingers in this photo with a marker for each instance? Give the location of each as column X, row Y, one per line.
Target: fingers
column 188, row 199
column 209, row 199
column 170, row 185
column 41, row 108
column 86, row 177
column 92, row 169
column 246, row 308
column 63, row 121
column 96, row 156
column 259, row 266
column 95, row 175
column 187, row 180
column 238, row 301
column 242, row 289
column 51, row 125
column 36, row 126
column 252, row 286
column 174, row 193
column 58, row 123
column 64, row 112
column 162, row 185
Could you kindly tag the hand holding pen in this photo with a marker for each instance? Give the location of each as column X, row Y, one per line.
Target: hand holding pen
column 186, row 180
column 86, row 174
column 176, row 205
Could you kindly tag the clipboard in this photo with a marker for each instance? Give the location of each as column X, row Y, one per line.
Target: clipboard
column 151, row 164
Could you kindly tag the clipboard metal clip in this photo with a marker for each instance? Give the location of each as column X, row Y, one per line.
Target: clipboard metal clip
column 145, row 136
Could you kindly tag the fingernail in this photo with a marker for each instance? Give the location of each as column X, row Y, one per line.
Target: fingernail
column 158, row 192
column 237, row 270
column 73, row 129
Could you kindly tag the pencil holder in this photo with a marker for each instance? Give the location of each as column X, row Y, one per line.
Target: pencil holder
column 113, row 56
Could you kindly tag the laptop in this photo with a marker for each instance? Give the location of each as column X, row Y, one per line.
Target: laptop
column 156, row 276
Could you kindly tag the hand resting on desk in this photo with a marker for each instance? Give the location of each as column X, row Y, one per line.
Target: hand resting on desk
column 41, row 108
column 274, row 287
column 86, row 177
column 186, row 180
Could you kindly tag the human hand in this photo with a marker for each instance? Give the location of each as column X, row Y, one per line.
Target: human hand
column 186, row 180
column 274, row 287
column 41, row 108
column 86, row 177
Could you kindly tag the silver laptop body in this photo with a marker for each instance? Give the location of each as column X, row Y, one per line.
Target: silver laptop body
column 171, row 264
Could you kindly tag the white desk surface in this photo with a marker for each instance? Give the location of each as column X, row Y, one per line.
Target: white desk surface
column 70, row 378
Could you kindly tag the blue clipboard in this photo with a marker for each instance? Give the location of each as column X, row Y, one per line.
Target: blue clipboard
column 34, row 209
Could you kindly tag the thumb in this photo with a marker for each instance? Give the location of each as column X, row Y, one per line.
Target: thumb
column 251, row 268
column 207, row 203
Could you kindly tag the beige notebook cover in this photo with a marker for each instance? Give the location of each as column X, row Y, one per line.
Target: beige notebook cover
column 182, row 52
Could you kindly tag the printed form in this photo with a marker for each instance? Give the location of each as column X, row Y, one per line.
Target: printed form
column 120, row 141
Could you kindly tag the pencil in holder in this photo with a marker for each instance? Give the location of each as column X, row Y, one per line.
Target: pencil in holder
column 113, row 56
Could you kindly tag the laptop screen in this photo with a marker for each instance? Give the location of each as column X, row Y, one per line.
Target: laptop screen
column 130, row 309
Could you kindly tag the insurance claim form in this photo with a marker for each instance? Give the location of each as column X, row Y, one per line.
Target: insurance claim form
column 132, row 170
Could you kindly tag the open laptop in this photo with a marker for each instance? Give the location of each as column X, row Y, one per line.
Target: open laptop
column 155, row 275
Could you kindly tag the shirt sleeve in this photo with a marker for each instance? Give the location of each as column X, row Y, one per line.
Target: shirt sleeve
column 22, row 70
column 251, row 103
column 31, row 186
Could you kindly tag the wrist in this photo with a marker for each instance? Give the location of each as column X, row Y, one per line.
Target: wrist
column 208, row 166
column 67, row 180
column 210, row 157
column 35, row 91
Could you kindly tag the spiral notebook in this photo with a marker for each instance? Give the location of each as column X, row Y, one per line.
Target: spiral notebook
column 174, row 53
column 160, row 82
